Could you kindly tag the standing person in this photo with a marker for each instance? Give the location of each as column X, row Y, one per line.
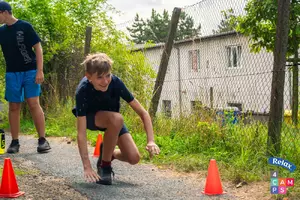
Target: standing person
column 24, row 74
column 97, row 108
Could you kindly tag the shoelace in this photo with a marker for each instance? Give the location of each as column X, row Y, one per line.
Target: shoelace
column 112, row 172
column 109, row 170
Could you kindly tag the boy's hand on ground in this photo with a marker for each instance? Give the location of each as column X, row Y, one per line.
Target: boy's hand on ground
column 153, row 149
column 90, row 175
column 39, row 77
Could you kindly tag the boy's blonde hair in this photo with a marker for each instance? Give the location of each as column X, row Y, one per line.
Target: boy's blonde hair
column 98, row 63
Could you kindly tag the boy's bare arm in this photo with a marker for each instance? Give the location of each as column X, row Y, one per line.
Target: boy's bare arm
column 82, row 142
column 144, row 115
column 89, row 173
column 39, row 61
column 151, row 147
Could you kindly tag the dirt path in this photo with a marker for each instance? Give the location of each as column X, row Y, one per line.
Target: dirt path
column 59, row 175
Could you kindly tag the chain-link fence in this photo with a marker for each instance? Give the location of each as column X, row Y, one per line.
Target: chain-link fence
column 217, row 71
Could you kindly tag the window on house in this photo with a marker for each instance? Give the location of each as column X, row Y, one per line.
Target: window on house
column 167, row 109
column 234, row 56
column 194, row 60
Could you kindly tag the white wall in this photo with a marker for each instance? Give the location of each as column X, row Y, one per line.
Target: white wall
column 250, row 84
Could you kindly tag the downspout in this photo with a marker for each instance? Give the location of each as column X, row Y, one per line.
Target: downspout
column 179, row 81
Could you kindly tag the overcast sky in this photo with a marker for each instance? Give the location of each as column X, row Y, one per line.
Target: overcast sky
column 204, row 12
column 129, row 8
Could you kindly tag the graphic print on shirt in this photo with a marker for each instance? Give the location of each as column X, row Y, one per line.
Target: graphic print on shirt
column 22, row 47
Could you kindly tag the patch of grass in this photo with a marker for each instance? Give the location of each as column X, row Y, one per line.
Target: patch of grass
column 18, row 172
column 240, row 150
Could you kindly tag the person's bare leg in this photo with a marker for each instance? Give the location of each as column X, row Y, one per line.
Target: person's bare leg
column 37, row 115
column 113, row 123
column 128, row 151
column 14, row 119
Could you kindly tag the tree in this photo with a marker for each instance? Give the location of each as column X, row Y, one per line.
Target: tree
column 137, row 32
column 186, row 28
column 227, row 23
column 260, row 24
column 156, row 28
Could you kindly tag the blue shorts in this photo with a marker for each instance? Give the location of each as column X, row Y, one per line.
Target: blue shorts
column 20, row 85
column 90, row 123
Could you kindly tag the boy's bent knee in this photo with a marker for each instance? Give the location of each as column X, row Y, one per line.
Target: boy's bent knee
column 109, row 120
column 134, row 159
column 116, row 120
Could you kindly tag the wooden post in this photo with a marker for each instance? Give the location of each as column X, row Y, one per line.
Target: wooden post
column 88, row 38
column 276, row 105
column 164, row 62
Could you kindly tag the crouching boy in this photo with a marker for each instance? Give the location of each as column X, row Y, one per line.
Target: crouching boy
column 97, row 108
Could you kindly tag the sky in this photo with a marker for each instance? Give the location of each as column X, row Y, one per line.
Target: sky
column 204, row 12
column 129, row 8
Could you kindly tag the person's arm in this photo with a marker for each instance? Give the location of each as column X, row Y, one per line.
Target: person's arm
column 89, row 173
column 39, row 61
column 151, row 147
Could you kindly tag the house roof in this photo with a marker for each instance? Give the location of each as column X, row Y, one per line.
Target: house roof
column 138, row 47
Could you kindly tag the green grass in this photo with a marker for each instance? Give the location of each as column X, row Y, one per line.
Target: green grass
column 18, row 172
column 187, row 144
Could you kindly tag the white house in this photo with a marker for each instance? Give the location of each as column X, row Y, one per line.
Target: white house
column 218, row 71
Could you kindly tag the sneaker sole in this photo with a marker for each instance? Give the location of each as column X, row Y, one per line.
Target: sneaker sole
column 102, row 182
column 43, row 150
column 12, row 152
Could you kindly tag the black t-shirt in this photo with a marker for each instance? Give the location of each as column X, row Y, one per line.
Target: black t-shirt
column 16, row 42
column 89, row 100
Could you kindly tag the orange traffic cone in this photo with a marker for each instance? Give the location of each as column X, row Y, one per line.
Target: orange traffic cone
column 213, row 185
column 97, row 147
column 9, row 186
